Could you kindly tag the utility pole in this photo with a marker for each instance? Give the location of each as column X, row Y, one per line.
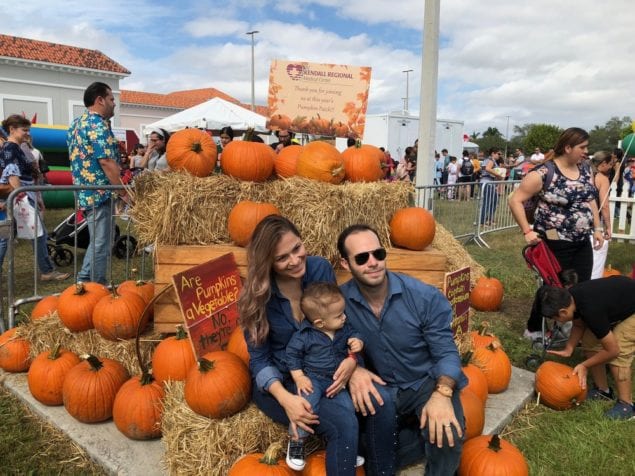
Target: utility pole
column 506, row 137
column 406, row 101
column 253, row 80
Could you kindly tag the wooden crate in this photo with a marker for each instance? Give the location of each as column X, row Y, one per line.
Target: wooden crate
column 429, row 266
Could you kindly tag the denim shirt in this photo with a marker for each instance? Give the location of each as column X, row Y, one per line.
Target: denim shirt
column 315, row 352
column 268, row 361
column 412, row 340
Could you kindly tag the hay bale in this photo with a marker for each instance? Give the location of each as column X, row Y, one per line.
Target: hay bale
column 45, row 334
column 198, row 445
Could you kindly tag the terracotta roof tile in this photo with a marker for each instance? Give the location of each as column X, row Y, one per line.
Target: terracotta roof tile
column 27, row 49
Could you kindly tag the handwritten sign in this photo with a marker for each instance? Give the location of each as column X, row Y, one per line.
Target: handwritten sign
column 208, row 295
column 456, row 288
column 319, row 99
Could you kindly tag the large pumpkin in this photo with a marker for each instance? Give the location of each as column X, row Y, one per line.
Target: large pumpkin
column 47, row 373
column 286, row 162
column 145, row 289
column 474, row 412
column 258, row 464
column 316, row 465
column 558, row 387
column 244, row 217
column 45, row 307
column 14, row 352
column 90, row 388
column 321, row 161
column 496, row 366
column 173, row 357
column 237, row 345
column 76, row 304
column 610, row 271
column 412, row 228
column 246, row 160
column 490, row 455
column 118, row 316
column 363, row 163
column 219, row 386
column 487, row 294
column 476, row 379
column 138, row 408
column 192, row 150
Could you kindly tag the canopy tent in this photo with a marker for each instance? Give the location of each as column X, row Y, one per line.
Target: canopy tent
column 213, row 114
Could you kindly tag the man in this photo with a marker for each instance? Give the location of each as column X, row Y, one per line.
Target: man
column 414, row 370
column 284, row 140
column 537, row 157
column 93, row 152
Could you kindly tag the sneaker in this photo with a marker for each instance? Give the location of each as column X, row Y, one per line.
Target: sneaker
column 597, row 394
column 536, row 335
column 621, row 411
column 54, row 276
column 295, row 455
column 359, row 461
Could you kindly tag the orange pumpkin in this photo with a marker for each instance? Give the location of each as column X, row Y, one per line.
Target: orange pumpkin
column 363, row 163
column 487, row 294
column 286, row 162
column 321, row 161
column 246, row 160
column 279, row 122
column 117, row 316
column 477, row 382
column 319, row 125
column 192, row 150
column 14, row 352
column 558, row 387
column 237, row 345
column 610, row 271
column 496, row 366
column 412, row 228
column 340, row 129
column 90, row 388
column 267, row 464
column 486, row 455
column 474, row 412
column 76, row 304
column 145, row 289
column 219, row 386
column 173, row 357
column 47, row 373
column 244, row 217
column 316, row 465
column 481, row 336
column 45, row 307
column 138, row 408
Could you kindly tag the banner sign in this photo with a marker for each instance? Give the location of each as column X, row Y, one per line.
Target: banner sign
column 319, row 99
column 208, row 296
column 456, row 288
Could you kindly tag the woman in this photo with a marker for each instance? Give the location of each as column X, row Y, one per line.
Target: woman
column 567, row 213
column 18, row 172
column 489, row 174
column 226, row 136
column 278, row 270
column 602, row 163
column 155, row 157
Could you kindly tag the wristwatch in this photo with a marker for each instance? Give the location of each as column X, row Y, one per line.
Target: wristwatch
column 444, row 390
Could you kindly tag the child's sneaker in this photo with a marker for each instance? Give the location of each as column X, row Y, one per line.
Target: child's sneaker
column 532, row 336
column 295, row 454
column 621, row 411
column 359, row 461
column 597, row 394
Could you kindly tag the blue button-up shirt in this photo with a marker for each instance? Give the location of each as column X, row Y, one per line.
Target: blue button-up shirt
column 412, row 340
column 268, row 361
column 313, row 351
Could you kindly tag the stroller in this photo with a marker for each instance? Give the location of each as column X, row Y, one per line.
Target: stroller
column 541, row 260
column 75, row 226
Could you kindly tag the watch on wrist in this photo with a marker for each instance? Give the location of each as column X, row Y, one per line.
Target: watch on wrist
column 444, row 390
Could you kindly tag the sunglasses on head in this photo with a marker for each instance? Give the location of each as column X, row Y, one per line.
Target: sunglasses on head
column 362, row 258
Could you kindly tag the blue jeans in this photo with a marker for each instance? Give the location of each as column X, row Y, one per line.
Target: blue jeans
column 44, row 262
column 100, row 228
column 490, row 201
column 338, row 426
column 400, row 415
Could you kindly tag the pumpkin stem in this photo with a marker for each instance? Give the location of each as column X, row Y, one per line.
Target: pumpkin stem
column 180, row 333
column 113, row 290
column 80, row 289
column 94, row 362
column 249, row 133
column 467, row 357
column 271, row 455
column 483, row 328
column 196, row 147
column 495, row 443
column 493, row 345
column 146, row 378
column 55, row 353
column 205, row 365
column 358, row 144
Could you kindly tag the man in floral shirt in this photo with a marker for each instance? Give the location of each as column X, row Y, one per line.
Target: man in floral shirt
column 93, row 152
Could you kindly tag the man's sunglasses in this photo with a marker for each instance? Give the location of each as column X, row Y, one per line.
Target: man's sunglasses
column 362, row 258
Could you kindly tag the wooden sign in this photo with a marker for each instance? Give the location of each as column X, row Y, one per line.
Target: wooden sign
column 208, row 296
column 456, row 288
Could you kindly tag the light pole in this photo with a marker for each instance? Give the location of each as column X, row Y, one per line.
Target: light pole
column 506, row 137
column 253, row 86
column 407, row 71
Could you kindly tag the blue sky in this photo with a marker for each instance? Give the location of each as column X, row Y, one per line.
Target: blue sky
column 567, row 62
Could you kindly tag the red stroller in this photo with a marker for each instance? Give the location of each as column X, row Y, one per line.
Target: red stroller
column 541, row 260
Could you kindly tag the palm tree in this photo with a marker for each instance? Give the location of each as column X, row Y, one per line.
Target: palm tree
column 492, row 132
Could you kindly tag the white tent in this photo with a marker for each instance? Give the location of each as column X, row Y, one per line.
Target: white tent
column 213, row 114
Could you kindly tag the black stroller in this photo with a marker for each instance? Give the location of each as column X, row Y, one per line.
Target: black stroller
column 75, row 225
column 541, row 260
